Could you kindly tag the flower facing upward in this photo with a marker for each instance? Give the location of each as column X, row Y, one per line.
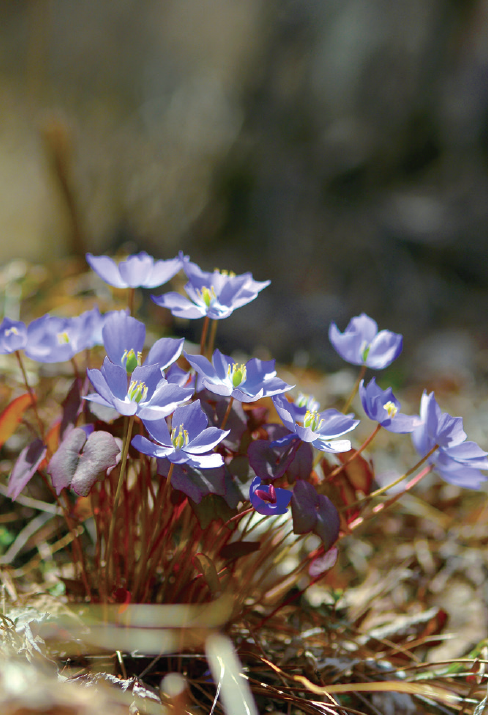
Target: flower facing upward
column 124, row 336
column 362, row 344
column 13, row 336
column 137, row 271
column 383, row 407
column 245, row 383
column 321, row 429
column 303, row 404
column 189, row 442
column 267, row 499
column 215, row 294
column 147, row 395
column 456, row 460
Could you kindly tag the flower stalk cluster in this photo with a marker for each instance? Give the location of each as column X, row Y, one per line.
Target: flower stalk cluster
column 178, row 457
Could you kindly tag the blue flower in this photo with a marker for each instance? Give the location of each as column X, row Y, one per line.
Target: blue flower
column 189, row 442
column 124, row 336
column 362, row 344
column 215, row 294
column 53, row 339
column 321, row 429
column 456, row 460
column 383, row 407
column 147, row 395
column 267, row 499
column 245, row 383
column 137, row 271
column 13, row 336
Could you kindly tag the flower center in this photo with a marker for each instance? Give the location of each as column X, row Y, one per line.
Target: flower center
column 312, row 420
column 179, row 437
column 391, row 409
column 308, row 401
column 228, row 274
column 137, row 391
column 63, row 337
column 208, row 295
column 365, row 347
column 11, row 331
column 237, row 374
column 268, row 496
column 130, row 360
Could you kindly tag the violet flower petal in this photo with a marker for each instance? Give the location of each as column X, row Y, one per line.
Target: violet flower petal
column 122, row 333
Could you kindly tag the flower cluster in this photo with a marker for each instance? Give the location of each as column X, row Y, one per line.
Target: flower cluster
column 205, row 439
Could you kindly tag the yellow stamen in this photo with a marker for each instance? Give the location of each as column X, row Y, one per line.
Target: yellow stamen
column 179, row 437
column 391, row 409
column 137, row 391
column 237, row 373
column 63, row 337
column 312, row 420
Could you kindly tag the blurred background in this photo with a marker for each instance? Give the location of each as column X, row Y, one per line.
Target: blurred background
column 337, row 147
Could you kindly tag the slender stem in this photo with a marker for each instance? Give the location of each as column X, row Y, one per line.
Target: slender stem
column 76, row 544
column 236, row 517
column 392, row 484
column 123, row 462
column 338, row 469
column 76, row 371
column 351, row 397
column 31, row 393
column 151, row 537
column 130, row 300
column 204, row 335
column 384, row 505
column 162, row 495
column 227, row 413
column 211, row 341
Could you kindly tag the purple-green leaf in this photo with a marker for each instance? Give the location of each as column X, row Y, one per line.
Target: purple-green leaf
column 195, row 483
column 80, row 460
column 314, row 512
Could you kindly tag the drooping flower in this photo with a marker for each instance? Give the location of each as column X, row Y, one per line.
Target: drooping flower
column 362, row 344
column 148, row 394
column 13, row 336
column 321, row 429
column 245, row 383
column 124, row 336
column 190, row 442
column 137, row 271
column 54, row 339
column 456, row 460
column 267, row 499
column 383, row 407
column 216, row 294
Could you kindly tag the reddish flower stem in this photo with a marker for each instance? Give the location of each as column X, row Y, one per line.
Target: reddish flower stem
column 351, row 397
column 204, row 335
column 130, row 300
column 384, row 505
column 368, row 441
column 392, row 484
column 227, row 413
column 31, row 393
column 211, row 341
column 123, row 464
